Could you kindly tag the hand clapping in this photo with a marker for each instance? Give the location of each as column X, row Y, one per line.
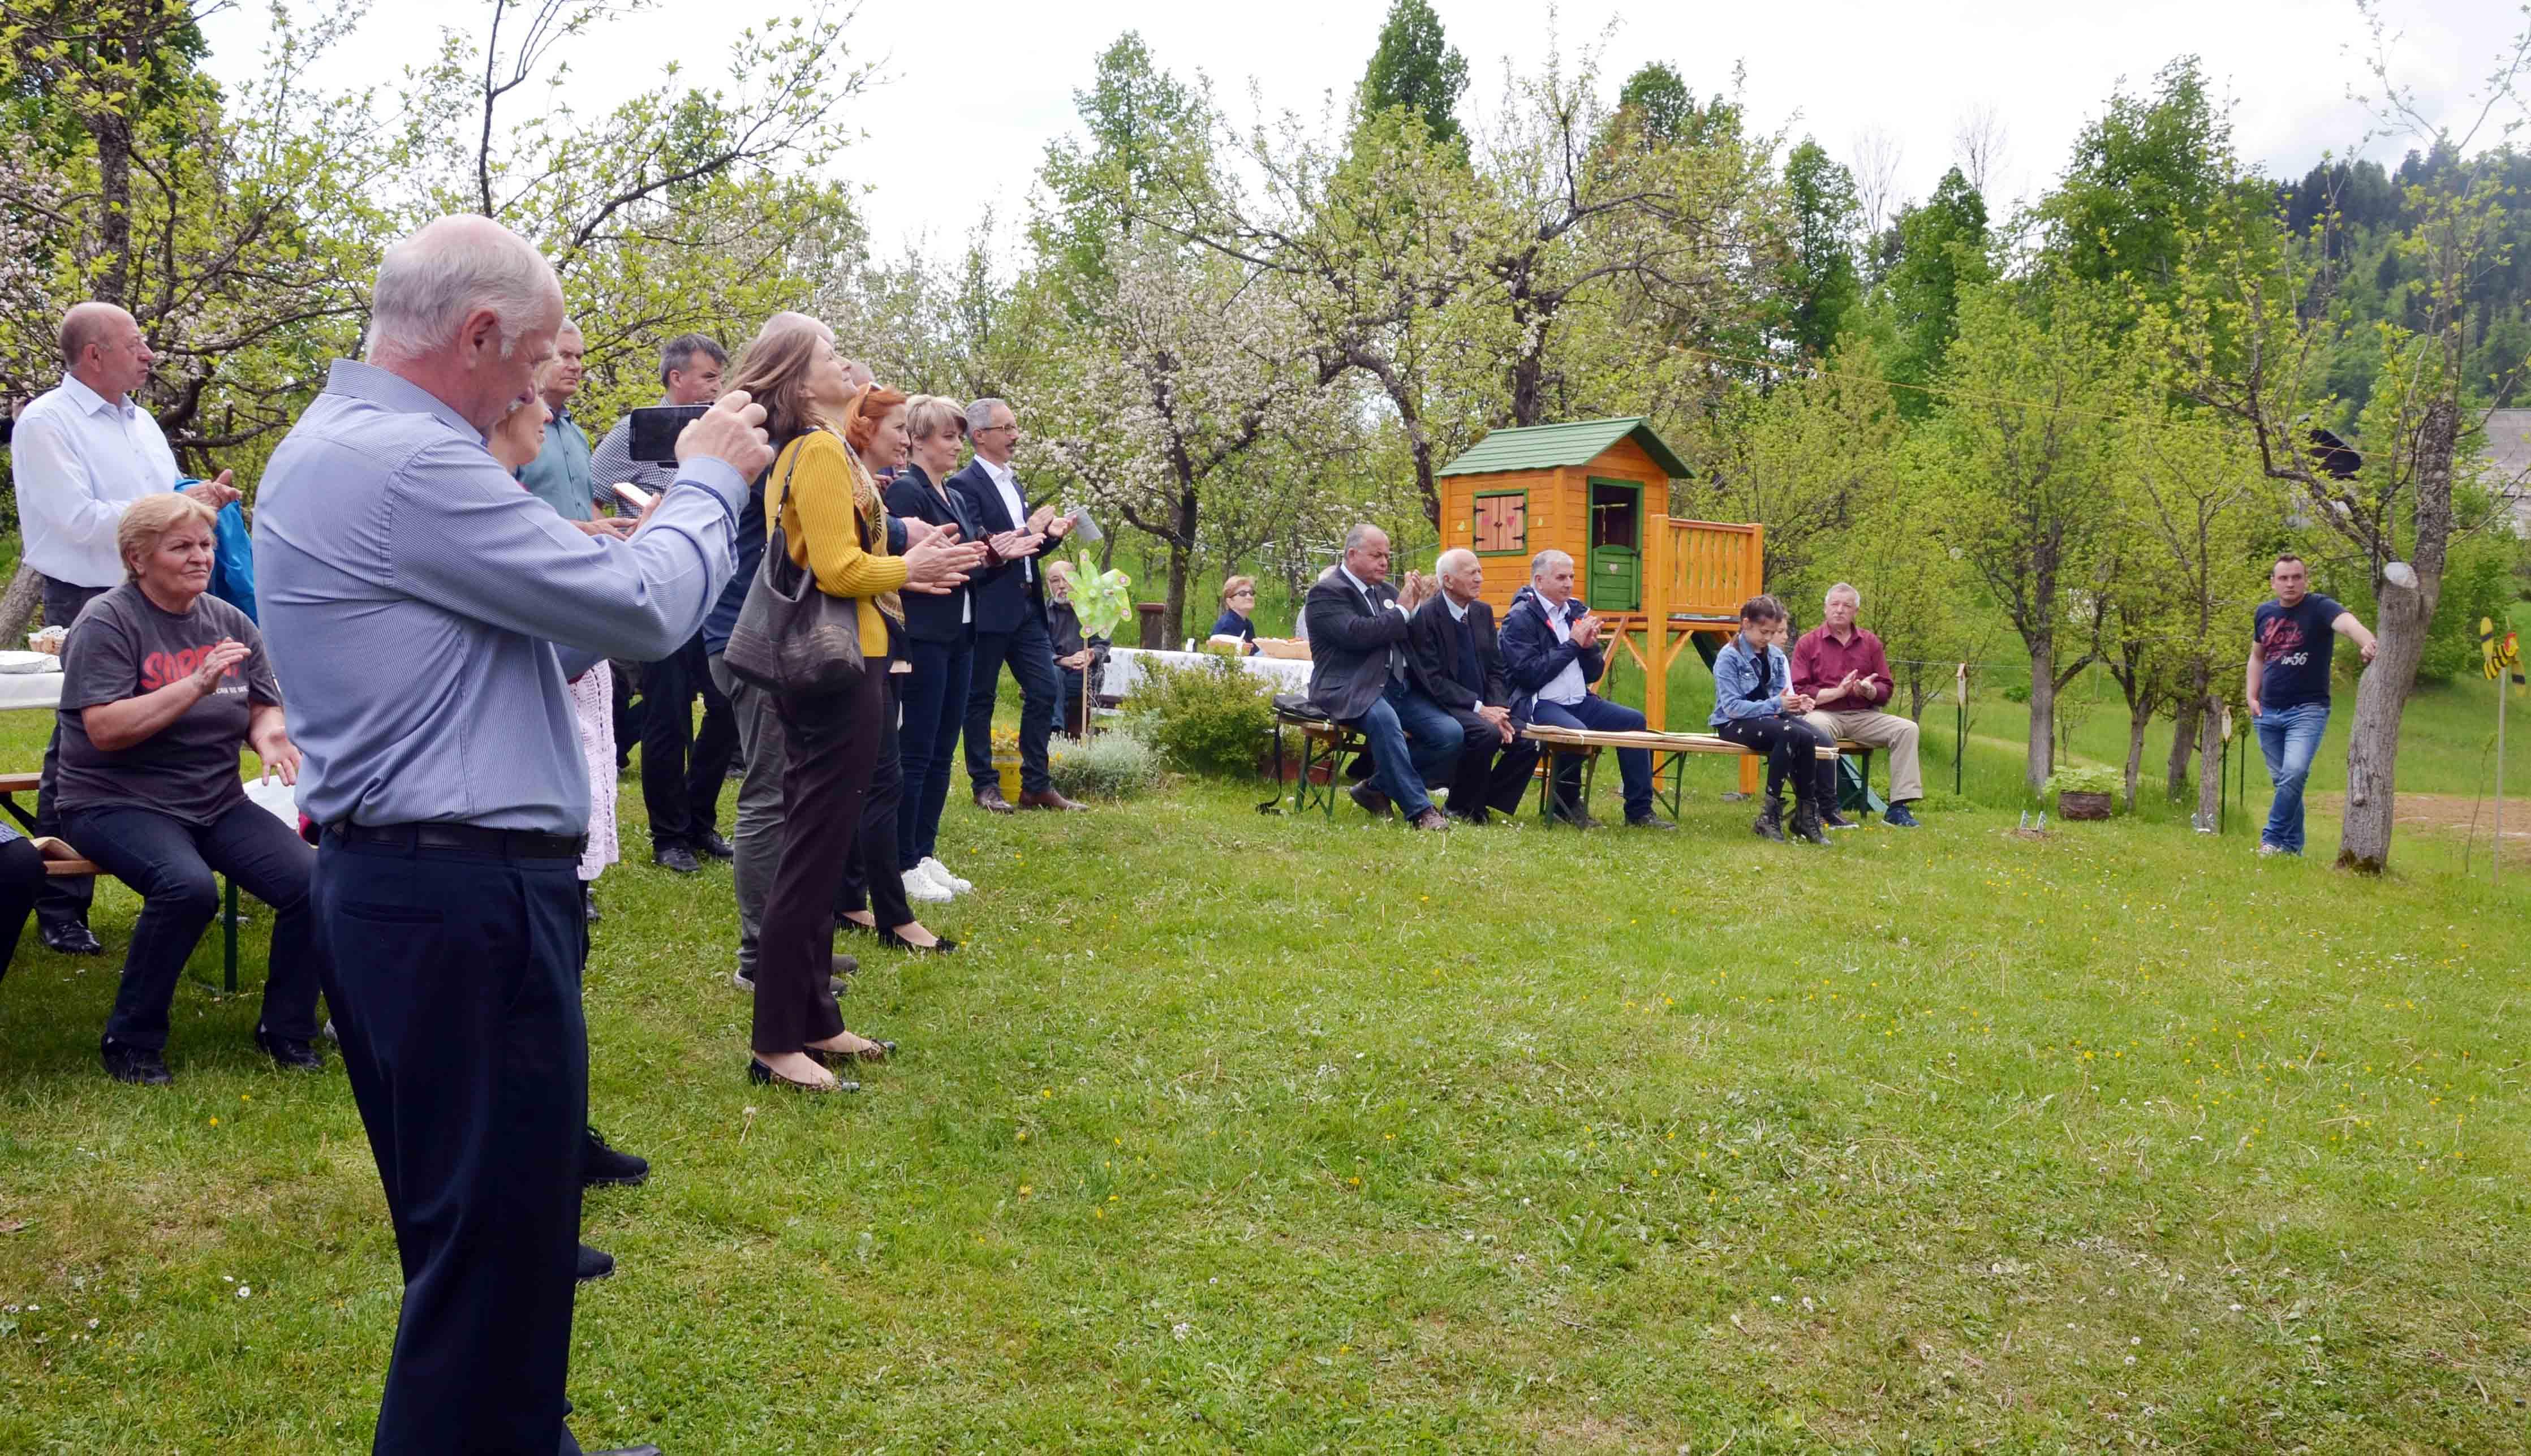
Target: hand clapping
column 215, row 665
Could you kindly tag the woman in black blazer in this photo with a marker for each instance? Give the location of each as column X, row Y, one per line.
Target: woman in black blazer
column 939, row 645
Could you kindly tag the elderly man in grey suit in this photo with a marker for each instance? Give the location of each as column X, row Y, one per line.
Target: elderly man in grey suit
column 1358, row 677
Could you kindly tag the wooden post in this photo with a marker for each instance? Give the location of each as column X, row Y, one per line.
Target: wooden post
column 1657, row 568
column 1752, row 575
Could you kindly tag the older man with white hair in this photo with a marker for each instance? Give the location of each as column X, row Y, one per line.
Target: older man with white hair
column 1843, row 667
column 1453, row 653
column 82, row 454
column 454, row 800
column 1552, row 654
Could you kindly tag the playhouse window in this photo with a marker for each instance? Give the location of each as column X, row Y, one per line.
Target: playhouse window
column 1502, row 523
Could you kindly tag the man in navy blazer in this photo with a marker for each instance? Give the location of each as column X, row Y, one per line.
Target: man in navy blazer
column 1452, row 656
column 1009, row 597
column 1552, row 652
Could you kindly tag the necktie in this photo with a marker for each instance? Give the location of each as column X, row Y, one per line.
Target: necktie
column 1396, row 654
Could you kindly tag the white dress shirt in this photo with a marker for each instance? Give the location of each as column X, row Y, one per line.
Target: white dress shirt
column 1009, row 485
column 81, row 460
column 1566, row 688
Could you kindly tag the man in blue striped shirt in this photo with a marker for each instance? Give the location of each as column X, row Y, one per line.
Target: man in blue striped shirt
column 426, row 614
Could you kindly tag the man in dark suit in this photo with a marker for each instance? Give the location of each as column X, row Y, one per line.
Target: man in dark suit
column 1358, row 677
column 1009, row 597
column 1451, row 655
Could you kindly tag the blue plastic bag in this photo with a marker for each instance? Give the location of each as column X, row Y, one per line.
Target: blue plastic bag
column 233, row 561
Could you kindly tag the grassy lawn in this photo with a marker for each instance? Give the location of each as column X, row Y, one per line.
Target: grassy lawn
column 1236, row 1131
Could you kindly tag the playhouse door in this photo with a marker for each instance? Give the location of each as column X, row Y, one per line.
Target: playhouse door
column 1616, row 564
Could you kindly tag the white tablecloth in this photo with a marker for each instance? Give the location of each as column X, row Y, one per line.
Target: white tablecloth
column 1125, row 668
column 29, row 690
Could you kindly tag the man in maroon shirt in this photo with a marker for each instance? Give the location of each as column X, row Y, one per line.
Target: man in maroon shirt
column 1842, row 666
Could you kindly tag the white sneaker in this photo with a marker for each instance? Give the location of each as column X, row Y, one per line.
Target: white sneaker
column 941, row 873
column 922, row 887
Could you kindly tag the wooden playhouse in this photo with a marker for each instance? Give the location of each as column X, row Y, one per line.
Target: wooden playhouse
column 1598, row 490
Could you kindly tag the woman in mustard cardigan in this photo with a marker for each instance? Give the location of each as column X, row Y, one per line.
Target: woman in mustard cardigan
column 830, row 514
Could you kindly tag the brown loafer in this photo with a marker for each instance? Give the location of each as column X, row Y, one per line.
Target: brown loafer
column 989, row 797
column 1048, row 799
column 1431, row 818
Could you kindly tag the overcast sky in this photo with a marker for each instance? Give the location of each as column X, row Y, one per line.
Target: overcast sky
column 974, row 92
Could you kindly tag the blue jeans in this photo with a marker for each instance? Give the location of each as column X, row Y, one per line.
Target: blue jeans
column 934, row 696
column 1413, row 740
column 1597, row 714
column 2291, row 739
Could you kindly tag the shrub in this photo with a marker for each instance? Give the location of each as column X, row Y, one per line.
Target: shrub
column 1115, row 765
column 1207, row 719
column 2091, row 778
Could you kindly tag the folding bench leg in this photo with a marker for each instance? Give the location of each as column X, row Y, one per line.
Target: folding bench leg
column 228, row 942
column 1749, row 776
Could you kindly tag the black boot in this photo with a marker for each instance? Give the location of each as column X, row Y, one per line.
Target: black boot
column 1770, row 819
column 1806, row 822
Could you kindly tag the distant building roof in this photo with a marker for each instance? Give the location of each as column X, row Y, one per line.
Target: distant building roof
column 1543, row 447
column 2509, row 461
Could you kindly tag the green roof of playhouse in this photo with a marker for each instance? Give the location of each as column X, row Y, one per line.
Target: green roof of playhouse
column 1543, row 447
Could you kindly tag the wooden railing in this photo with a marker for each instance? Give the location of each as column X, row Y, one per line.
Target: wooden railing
column 1714, row 567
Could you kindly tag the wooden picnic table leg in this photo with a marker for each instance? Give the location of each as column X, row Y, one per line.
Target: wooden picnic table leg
column 1749, row 777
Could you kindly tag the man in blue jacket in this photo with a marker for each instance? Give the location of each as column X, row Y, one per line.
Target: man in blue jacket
column 1552, row 652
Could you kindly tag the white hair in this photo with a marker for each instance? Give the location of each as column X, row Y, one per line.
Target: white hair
column 1843, row 589
column 428, row 283
column 980, row 413
column 1457, row 558
column 1538, row 563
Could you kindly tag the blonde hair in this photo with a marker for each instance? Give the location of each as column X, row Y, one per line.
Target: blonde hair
column 149, row 520
column 927, row 415
column 1231, row 586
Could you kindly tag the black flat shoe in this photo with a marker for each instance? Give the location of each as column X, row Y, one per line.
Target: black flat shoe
column 72, row 939
column 764, row 1076
column 601, row 1163
column 289, row 1054
column 593, row 1263
column 136, row 1065
column 941, row 946
column 855, row 928
column 710, row 843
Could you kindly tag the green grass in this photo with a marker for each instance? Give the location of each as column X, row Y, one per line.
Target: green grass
column 1245, row 1132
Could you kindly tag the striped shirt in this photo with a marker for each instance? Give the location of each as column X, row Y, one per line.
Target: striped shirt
column 426, row 614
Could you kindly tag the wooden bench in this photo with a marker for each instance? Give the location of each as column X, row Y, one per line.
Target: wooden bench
column 62, row 861
column 1670, row 754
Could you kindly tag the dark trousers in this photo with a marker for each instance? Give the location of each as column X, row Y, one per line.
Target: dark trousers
column 628, row 718
column 1598, row 714
column 169, row 864
column 22, row 878
column 831, row 747
column 1490, row 773
column 1791, row 746
column 455, row 984
column 1030, row 655
column 872, row 880
column 63, row 901
column 934, row 696
column 682, row 770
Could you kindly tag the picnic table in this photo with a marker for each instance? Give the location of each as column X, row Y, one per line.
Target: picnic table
column 1127, row 665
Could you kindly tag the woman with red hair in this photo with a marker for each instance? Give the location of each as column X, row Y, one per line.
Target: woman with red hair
column 822, row 499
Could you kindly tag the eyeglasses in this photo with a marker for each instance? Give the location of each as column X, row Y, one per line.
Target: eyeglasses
column 995, row 429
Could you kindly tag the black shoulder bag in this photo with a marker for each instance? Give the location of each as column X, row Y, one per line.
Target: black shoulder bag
column 791, row 637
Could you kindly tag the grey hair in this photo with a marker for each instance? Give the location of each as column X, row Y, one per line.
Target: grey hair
column 980, row 413
column 428, row 283
column 1538, row 563
column 570, row 325
column 1457, row 558
column 1845, row 586
column 1355, row 537
column 679, row 353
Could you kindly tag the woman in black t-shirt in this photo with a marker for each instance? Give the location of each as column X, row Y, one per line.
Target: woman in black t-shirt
column 161, row 683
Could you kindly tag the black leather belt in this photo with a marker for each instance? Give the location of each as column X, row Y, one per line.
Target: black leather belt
column 473, row 839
